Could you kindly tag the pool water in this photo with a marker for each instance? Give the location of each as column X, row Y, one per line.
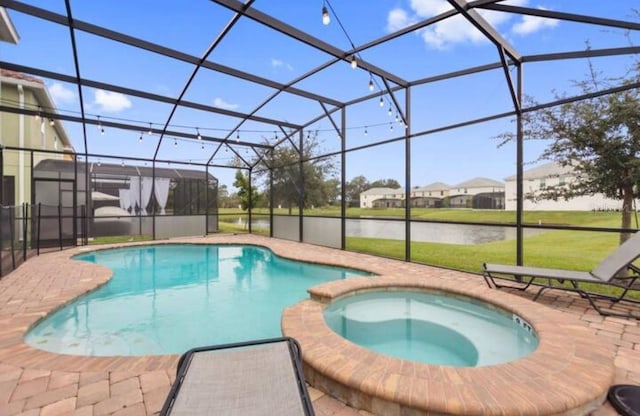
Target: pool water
column 431, row 328
column 166, row 299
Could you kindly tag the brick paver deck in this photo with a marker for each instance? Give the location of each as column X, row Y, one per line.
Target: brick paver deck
column 35, row 382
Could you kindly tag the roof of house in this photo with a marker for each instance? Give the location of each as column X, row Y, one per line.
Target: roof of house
column 39, row 89
column 548, row 170
column 435, row 186
column 8, row 32
column 479, row 183
column 112, row 169
column 382, row 191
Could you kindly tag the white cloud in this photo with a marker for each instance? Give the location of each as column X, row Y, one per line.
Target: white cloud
column 531, row 24
column 398, row 19
column 110, row 102
column 219, row 102
column 448, row 32
column 278, row 63
column 61, row 94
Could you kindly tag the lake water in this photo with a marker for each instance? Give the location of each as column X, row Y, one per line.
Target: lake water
column 423, row 231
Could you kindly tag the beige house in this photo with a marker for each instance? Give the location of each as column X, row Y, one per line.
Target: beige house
column 549, row 175
column 430, row 196
column 22, row 131
column 382, row 198
column 481, row 193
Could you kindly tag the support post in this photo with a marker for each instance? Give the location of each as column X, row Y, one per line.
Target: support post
column 407, row 167
column 301, row 188
column 250, row 216
column 343, row 181
column 519, row 172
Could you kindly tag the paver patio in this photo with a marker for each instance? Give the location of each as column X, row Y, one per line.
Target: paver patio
column 35, row 382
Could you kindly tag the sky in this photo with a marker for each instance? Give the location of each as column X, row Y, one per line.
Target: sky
column 451, row 156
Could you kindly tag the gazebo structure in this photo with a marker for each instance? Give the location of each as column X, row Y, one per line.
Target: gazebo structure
column 329, row 94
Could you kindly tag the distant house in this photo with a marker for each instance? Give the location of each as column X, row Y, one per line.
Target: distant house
column 382, row 198
column 550, row 175
column 26, row 131
column 479, row 193
column 430, row 196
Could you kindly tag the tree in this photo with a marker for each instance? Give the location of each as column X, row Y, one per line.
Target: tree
column 385, row 183
column 248, row 195
column 599, row 138
column 354, row 188
column 288, row 182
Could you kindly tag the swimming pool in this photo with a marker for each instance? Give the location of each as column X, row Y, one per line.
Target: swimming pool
column 165, row 299
column 433, row 328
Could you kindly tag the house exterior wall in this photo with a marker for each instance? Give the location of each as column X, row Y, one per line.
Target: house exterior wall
column 596, row 202
column 36, row 134
column 367, row 200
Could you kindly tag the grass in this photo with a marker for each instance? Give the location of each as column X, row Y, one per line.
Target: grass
column 120, row 239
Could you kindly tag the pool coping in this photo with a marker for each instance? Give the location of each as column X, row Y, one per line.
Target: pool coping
column 43, row 284
column 569, row 373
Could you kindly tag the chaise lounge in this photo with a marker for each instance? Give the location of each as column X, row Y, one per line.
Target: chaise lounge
column 261, row 377
column 616, row 270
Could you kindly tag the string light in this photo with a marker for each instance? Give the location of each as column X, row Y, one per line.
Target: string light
column 199, row 136
column 99, row 163
column 371, row 84
column 150, row 129
column 390, row 126
column 140, row 138
column 390, row 111
column 326, row 19
column 237, row 136
column 365, row 131
column 354, row 62
column 52, row 122
column 122, row 163
column 202, row 147
column 175, row 142
column 100, row 126
column 381, row 102
column 397, row 117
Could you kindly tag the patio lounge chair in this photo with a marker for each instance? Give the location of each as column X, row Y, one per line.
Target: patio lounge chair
column 250, row 378
column 625, row 398
column 610, row 272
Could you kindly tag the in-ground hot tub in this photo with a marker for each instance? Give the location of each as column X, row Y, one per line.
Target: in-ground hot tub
column 568, row 373
column 432, row 328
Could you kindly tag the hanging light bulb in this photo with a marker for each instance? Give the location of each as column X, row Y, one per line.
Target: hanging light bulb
column 100, row 126
column 140, row 138
column 122, row 163
column 102, row 131
column 397, row 117
column 354, row 61
column 175, row 142
column 326, row 19
column 99, row 163
column 365, row 131
column 381, row 102
column 199, row 136
column 391, row 126
column 237, row 136
column 371, row 84
column 150, row 129
column 202, row 147
column 52, row 122
column 389, row 112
